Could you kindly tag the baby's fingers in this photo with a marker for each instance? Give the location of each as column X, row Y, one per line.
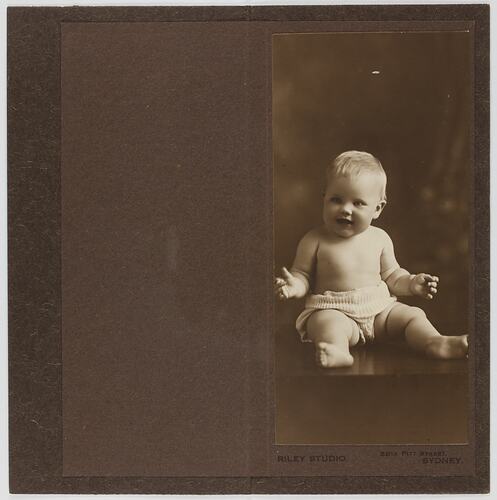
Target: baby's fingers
column 431, row 283
column 278, row 284
column 433, row 286
column 432, row 290
column 431, row 279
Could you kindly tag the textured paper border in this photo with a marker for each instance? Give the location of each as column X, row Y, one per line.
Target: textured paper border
column 34, row 249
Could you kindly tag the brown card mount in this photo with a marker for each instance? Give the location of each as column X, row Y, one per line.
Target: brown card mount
column 152, row 154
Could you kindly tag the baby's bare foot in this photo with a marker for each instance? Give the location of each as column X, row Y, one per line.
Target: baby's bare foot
column 330, row 356
column 445, row 347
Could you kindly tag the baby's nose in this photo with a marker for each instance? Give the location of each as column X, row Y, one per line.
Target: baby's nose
column 346, row 209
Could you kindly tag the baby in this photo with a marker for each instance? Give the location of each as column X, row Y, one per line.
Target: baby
column 355, row 277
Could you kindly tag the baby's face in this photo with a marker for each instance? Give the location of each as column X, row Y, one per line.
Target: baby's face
column 351, row 203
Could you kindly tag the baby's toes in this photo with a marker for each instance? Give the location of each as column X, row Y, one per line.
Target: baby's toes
column 320, row 357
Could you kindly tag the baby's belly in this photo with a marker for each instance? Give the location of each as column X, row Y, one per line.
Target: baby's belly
column 342, row 283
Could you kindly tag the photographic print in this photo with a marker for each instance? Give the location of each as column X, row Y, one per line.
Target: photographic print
column 372, row 141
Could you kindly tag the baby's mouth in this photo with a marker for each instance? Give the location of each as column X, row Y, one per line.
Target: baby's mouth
column 344, row 222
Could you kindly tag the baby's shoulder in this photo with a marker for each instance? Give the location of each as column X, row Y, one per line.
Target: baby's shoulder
column 313, row 237
column 379, row 236
column 308, row 247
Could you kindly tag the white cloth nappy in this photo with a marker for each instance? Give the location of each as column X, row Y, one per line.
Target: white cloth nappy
column 362, row 305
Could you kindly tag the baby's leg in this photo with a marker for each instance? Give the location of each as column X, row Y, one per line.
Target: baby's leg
column 419, row 333
column 332, row 332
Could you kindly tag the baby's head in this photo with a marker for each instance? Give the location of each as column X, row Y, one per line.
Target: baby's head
column 352, row 164
column 355, row 193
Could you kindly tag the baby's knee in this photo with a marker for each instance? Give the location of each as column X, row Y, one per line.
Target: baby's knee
column 416, row 313
column 330, row 319
column 333, row 327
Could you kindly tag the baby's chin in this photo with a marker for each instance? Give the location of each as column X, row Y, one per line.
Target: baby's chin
column 339, row 230
column 344, row 230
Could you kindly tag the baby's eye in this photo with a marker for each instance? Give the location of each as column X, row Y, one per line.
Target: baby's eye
column 359, row 203
column 335, row 199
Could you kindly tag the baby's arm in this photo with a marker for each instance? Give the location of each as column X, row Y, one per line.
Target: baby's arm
column 295, row 284
column 401, row 282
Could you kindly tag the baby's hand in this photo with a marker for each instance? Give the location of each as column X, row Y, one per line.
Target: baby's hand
column 424, row 285
column 286, row 287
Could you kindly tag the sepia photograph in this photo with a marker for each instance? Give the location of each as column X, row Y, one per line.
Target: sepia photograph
column 372, row 145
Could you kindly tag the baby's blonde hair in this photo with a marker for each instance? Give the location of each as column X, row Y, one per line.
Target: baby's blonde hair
column 352, row 163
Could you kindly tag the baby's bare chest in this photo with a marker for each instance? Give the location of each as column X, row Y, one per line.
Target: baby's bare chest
column 346, row 256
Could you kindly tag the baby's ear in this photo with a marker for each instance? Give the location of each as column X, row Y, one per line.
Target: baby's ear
column 379, row 208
